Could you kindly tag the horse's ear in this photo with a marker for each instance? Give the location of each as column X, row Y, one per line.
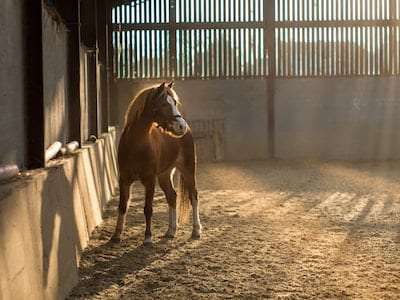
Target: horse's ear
column 161, row 87
column 171, row 84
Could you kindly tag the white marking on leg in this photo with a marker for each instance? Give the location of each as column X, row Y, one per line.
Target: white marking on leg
column 196, row 218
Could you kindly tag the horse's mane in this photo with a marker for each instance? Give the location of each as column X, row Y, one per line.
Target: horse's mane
column 137, row 105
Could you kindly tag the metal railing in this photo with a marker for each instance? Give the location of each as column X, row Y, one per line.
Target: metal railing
column 246, row 38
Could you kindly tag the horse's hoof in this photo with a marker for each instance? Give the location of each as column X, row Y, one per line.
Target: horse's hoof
column 196, row 235
column 169, row 234
column 115, row 239
column 148, row 241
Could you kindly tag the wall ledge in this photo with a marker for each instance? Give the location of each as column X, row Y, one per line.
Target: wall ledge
column 46, row 219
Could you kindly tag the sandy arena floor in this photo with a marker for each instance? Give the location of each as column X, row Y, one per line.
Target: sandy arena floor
column 271, row 230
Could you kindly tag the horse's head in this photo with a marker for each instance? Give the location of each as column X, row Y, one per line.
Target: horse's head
column 164, row 105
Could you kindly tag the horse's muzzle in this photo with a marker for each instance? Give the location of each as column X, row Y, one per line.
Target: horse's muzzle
column 178, row 127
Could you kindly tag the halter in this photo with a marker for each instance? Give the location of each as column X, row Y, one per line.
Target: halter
column 163, row 122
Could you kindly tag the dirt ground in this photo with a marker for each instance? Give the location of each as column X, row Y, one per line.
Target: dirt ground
column 286, row 230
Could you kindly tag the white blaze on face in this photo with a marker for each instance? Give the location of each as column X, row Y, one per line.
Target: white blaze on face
column 179, row 125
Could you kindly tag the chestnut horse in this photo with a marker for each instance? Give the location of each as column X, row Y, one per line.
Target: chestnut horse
column 155, row 140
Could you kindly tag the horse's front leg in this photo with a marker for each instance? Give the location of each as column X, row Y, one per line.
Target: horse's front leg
column 148, row 207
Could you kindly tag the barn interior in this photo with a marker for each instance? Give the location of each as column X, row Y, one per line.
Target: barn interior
column 294, row 109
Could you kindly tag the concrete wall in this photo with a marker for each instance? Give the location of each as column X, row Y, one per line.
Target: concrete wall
column 240, row 103
column 46, row 218
column 12, row 131
column 337, row 118
column 349, row 119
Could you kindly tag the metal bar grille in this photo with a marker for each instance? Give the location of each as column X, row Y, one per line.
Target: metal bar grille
column 205, row 39
column 328, row 38
column 226, row 38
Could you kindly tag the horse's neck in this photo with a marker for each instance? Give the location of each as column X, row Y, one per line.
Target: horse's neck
column 138, row 129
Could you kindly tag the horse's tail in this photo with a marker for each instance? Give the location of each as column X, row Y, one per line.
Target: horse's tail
column 183, row 201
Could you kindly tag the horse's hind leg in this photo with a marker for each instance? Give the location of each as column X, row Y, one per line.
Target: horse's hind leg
column 122, row 210
column 190, row 184
column 195, row 205
column 165, row 182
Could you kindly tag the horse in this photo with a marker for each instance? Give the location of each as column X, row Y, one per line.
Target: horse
column 155, row 141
